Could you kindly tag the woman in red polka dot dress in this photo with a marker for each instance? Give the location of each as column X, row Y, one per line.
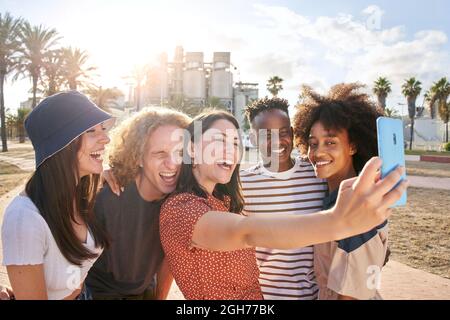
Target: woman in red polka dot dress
column 210, row 244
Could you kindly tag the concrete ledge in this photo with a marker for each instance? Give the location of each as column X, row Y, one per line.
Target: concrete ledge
column 439, row 159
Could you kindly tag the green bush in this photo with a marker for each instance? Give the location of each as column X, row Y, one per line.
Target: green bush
column 447, row 146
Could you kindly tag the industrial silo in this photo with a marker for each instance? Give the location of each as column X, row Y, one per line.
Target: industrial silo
column 221, row 79
column 156, row 86
column 177, row 76
column 194, row 77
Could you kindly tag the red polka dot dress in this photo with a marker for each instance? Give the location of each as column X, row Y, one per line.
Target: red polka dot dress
column 203, row 274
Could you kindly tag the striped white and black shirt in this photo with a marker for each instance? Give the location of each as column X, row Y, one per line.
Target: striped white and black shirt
column 284, row 274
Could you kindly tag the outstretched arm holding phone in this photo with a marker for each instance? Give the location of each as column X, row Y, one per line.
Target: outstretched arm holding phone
column 363, row 203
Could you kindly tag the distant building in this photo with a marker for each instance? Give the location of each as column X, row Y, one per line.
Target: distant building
column 28, row 103
column 244, row 94
column 188, row 79
column 429, row 133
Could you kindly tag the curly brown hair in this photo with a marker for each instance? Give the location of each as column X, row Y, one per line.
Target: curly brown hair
column 128, row 140
column 343, row 108
column 264, row 104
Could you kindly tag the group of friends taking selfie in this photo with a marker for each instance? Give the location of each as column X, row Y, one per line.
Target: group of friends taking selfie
column 176, row 205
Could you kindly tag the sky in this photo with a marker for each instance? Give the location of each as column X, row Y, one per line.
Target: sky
column 319, row 43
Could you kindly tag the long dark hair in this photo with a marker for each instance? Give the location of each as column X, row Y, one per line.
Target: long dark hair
column 58, row 192
column 187, row 181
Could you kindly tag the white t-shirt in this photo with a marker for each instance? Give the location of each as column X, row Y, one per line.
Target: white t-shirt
column 27, row 240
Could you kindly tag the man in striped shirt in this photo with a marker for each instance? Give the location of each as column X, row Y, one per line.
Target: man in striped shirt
column 280, row 184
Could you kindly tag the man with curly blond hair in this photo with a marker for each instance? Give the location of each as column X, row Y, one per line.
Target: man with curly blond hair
column 145, row 159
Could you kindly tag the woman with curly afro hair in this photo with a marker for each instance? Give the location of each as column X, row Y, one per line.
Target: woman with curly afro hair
column 338, row 133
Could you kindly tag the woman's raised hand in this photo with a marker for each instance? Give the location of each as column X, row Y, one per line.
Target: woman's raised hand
column 364, row 202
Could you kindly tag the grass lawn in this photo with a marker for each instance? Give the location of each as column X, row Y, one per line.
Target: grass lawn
column 423, row 152
column 428, row 169
column 420, row 232
column 10, row 177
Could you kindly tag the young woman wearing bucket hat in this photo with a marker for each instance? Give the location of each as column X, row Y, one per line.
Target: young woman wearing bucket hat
column 49, row 234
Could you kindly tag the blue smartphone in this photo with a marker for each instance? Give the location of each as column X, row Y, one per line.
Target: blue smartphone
column 391, row 148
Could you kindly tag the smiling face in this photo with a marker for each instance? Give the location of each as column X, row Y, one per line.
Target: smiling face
column 161, row 162
column 274, row 138
column 330, row 152
column 216, row 154
column 90, row 154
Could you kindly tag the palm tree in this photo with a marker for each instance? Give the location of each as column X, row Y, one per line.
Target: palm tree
column 440, row 91
column 432, row 98
column 36, row 41
column 444, row 113
column 76, row 72
column 382, row 87
column 216, row 103
column 21, row 115
column 139, row 76
column 9, row 47
column 429, row 99
column 104, row 98
column 53, row 64
column 11, row 125
column 274, row 85
column 391, row 113
column 411, row 89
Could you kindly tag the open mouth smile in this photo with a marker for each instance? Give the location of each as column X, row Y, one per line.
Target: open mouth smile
column 169, row 177
column 321, row 164
column 97, row 155
column 225, row 164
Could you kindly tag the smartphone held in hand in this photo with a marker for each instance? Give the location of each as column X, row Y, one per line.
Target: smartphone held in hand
column 391, row 148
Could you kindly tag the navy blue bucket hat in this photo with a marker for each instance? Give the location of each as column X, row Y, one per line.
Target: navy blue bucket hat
column 60, row 119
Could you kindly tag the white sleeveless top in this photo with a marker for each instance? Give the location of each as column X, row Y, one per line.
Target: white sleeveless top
column 27, row 240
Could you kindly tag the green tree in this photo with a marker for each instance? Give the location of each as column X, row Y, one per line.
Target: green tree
column 139, row 76
column 53, row 75
column 382, row 87
column 76, row 72
column 429, row 99
column 216, row 103
column 274, row 85
column 10, row 28
column 21, row 116
column 440, row 91
column 444, row 113
column 36, row 42
column 11, row 125
column 411, row 88
column 104, row 98
column 391, row 113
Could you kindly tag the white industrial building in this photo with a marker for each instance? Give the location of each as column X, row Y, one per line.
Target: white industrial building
column 429, row 133
column 188, row 78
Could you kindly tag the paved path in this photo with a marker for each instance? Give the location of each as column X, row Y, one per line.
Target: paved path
column 23, row 164
column 26, row 164
column 429, row 182
column 412, row 158
column 398, row 280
